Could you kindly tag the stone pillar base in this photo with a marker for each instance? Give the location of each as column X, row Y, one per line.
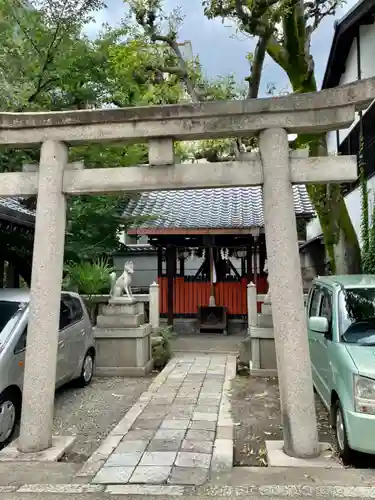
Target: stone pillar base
column 123, row 340
column 60, row 446
column 276, row 457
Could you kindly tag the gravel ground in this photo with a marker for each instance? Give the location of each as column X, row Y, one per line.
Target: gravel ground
column 256, row 411
column 92, row 412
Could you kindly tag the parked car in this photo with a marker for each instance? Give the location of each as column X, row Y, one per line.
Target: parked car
column 341, row 330
column 75, row 358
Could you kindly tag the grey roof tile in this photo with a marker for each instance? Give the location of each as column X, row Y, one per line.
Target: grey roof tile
column 209, row 208
column 14, row 204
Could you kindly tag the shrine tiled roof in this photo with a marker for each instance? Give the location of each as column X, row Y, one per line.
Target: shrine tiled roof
column 13, row 209
column 223, row 208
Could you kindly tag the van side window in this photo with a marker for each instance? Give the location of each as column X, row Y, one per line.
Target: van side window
column 65, row 314
column 326, row 308
column 314, row 302
column 77, row 311
column 21, row 344
column 70, row 311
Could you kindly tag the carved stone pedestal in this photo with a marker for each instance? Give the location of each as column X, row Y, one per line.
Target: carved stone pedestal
column 122, row 338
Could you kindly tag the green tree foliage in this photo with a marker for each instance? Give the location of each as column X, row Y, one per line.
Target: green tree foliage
column 46, row 63
column 283, row 30
column 367, row 223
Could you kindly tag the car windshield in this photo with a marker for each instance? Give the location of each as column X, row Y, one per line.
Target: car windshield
column 10, row 313
column 357, row 316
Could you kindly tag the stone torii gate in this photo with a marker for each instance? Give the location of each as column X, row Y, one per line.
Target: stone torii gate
column 274, row 168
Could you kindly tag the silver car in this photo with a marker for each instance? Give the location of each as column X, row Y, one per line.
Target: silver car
column 75, row 357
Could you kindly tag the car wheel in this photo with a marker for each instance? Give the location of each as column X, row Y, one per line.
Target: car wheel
column 10, row 410
column 87, row 370
column 341, row 438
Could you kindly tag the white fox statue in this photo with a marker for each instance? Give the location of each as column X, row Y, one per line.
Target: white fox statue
column 122, row 285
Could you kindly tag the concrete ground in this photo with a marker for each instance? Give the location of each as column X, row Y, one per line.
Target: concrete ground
column 208, row 343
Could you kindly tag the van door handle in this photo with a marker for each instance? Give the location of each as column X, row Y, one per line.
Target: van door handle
column 82, row 332
column 61, row 343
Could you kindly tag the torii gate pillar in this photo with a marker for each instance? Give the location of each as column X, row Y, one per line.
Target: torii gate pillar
column 290, row 329
column 42, row 336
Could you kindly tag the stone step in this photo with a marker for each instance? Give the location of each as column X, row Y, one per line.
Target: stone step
column 19, row 473
column 265, row 320
column 115, row 333
column 119, row 309
column 261, row 333
column 120, row 321
column 266, row 309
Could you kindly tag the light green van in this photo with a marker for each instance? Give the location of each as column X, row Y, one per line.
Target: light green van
column 341, row 330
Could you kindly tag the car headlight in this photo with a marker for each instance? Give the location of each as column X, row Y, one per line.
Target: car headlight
column 364, row 394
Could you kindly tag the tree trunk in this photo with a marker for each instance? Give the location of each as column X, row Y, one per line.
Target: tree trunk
column 340, row 238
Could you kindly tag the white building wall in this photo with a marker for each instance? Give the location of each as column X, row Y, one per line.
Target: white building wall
column 353, row 199
column 354, row 206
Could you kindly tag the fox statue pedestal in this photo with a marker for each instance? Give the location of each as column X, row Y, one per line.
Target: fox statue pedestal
column 123, row 339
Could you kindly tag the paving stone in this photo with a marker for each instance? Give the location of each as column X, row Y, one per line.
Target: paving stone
column 150, row 474
column 175, row 424
column 108, row 445
column 158, row 458
column 113, row 475
column 197, row 435
column 180, row 414
column 139, row 435
column 153, row 414
column 224, row 432
column 189, row 401
column 209, row 396
column 209, row 417
column 91, row 467
column 202, row 425
column 131, row 446
column 222, row 457
column 207, row 408
column 197, row 446
column 123, row 459
column 147, row 423
column 163, row 400
column 170, row 434
column 187, row 459
column 164, row 445
column 188, row 476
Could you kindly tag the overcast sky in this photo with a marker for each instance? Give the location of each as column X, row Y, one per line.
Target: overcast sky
column 220, row 50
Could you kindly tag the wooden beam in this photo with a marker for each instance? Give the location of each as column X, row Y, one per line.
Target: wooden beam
column 160, row 261
column 249, row 261
column 171, row 275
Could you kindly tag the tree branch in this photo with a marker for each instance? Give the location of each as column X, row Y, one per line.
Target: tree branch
column 257, row 67
column 23, row 29
column 182, row 70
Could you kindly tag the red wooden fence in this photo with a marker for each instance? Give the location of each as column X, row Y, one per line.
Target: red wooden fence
column 189, row 295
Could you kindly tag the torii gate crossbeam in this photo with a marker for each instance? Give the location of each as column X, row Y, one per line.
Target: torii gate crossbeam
column 160, row 126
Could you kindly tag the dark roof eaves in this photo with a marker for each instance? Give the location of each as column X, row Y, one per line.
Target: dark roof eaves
column 16, row 216
column 344, row 32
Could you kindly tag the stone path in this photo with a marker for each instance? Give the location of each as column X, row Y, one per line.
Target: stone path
column 178, row 432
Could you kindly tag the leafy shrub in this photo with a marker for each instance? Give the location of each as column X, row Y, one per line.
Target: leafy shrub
column 88, row 278
column 161, row 347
